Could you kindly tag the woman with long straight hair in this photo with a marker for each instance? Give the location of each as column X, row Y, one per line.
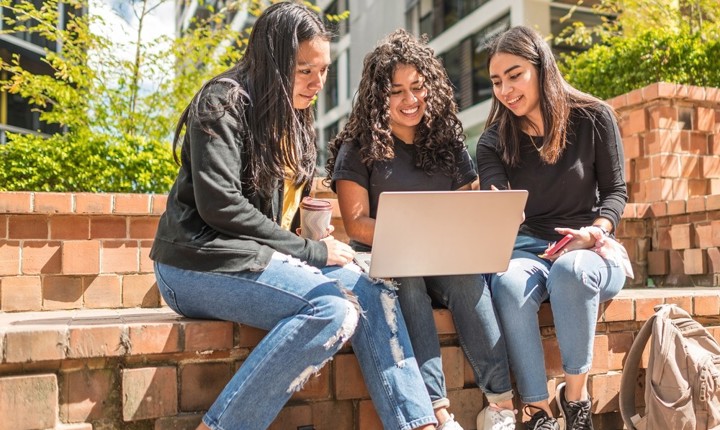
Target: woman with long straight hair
column 226, row 246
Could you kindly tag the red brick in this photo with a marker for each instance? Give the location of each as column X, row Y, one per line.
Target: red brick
column 16, row 202
column 604, row 391
column 680, row 236
column 368, row 418
column 28, row 227
column 140, row 291
column 694, row 262
column 696, row 204
column 553, row 362
column 293, row 417
column 619, row 309
column 108, row 228
column 663, row 117
column 85, row 395
column 644, row 308
column 677, row 265
column 104, row 291
column 444, row 321
column 9, row 257
column 705, row 119
column 715, row 232
column 633, row 147
column 132, row 204
column 333, row 415
column 40, row 257
column 81, row 257
column 618, row 346
column 53, row 203
column 465, row 405
column 95, row 340
column 601, row 357
column 349, row 382
column 158, row 203
column 713, row 201
column 703, row 235
column 28, row 402
column 706, row 305
column 658, row 263
column 659, row 189
column 22, row 293
column 635, row 122
column 710, row 166
column 685, row 302
column 149, row 392
column 201, row 383
column 697, row 187
column 642, row 170
column 453, row 367
column 93, row 203
column 250, row 336
column 71, row 227
column 146, row 264
column 119, row 256
column 62, row 292
column 208, row 335
column 33, row 344
column 154, row 338
column 143, row 228
column 663, row 141
column 676, row 207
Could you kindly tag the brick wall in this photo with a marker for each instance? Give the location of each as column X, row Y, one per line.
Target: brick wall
column 671, row 229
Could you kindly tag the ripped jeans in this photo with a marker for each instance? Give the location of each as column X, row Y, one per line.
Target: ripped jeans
column 309, row 314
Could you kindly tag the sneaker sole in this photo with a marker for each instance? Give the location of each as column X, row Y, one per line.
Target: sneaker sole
column 558, row 390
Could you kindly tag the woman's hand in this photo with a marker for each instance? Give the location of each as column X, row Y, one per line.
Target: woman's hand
column 582, row 239
column 339, row 253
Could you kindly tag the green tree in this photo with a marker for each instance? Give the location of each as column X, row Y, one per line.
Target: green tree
column 650, row 41
column 119, row 114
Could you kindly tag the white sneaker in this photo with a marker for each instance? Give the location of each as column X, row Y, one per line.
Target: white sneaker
column 492, row 418
column 450, row 424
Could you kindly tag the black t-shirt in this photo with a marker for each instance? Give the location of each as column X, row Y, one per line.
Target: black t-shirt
column 588, row 180
column 398, row 174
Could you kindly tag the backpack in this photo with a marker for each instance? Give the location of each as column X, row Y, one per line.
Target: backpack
column 682, row 381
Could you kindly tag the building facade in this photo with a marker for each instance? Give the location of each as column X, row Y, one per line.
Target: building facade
column 16, row 114
column 457, row 30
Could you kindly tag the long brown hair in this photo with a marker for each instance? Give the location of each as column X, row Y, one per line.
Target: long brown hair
column 277, row 136
column 557, row 97
column 438, row 135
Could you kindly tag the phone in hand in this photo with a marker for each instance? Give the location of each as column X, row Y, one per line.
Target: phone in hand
column 557, row 246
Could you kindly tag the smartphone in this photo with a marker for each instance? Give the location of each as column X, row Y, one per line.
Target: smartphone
column 560, row 244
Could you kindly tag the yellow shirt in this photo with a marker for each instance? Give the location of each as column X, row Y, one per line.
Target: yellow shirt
column 291, row 201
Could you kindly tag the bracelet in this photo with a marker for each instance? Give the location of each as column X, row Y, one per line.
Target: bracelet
column 603, row 229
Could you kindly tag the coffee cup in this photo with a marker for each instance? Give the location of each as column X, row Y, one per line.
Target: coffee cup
column 315, row 215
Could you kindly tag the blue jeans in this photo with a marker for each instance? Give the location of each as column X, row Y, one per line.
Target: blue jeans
column 309, row 313
column 575, row 284
column 468, row 299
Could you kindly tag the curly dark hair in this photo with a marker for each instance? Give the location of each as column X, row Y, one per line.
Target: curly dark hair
column 439, row 134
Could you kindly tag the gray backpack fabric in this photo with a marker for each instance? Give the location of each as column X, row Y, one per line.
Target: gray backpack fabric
column 682, row 381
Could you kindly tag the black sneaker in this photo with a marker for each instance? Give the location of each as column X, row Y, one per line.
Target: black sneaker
column 577, row 414
column 540, row 420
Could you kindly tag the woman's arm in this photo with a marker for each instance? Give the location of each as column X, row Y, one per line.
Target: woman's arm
column 609, row 170
column 491, row 169
column 354, row 205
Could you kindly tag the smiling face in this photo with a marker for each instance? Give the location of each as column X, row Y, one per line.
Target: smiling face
column 407, row 102
column 313, row 62
column 516, row 85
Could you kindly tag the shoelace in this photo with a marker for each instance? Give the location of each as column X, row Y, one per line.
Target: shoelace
column 507, row 422
column 539, row 420
column 582, row 417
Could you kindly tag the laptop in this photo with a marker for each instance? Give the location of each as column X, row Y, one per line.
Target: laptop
column 431, row 233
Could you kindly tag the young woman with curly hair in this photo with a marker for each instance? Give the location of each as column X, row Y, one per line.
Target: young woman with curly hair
column 404, row 135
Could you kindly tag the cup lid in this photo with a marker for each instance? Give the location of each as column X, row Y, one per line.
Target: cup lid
column 309, row 203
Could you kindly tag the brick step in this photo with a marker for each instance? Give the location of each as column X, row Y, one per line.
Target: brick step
column 120, row 366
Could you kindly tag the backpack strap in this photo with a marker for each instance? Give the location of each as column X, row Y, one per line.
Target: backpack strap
column 631, row 369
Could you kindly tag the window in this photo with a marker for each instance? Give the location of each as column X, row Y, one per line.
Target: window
column 437, row 16
column 339, row 28
column 332, row 89
column 482, row 86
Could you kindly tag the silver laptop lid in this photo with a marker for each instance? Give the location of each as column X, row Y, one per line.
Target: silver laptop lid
column 429, row 233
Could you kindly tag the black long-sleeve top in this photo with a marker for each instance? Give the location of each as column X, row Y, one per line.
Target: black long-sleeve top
column 214, row 221
column 588, row 181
